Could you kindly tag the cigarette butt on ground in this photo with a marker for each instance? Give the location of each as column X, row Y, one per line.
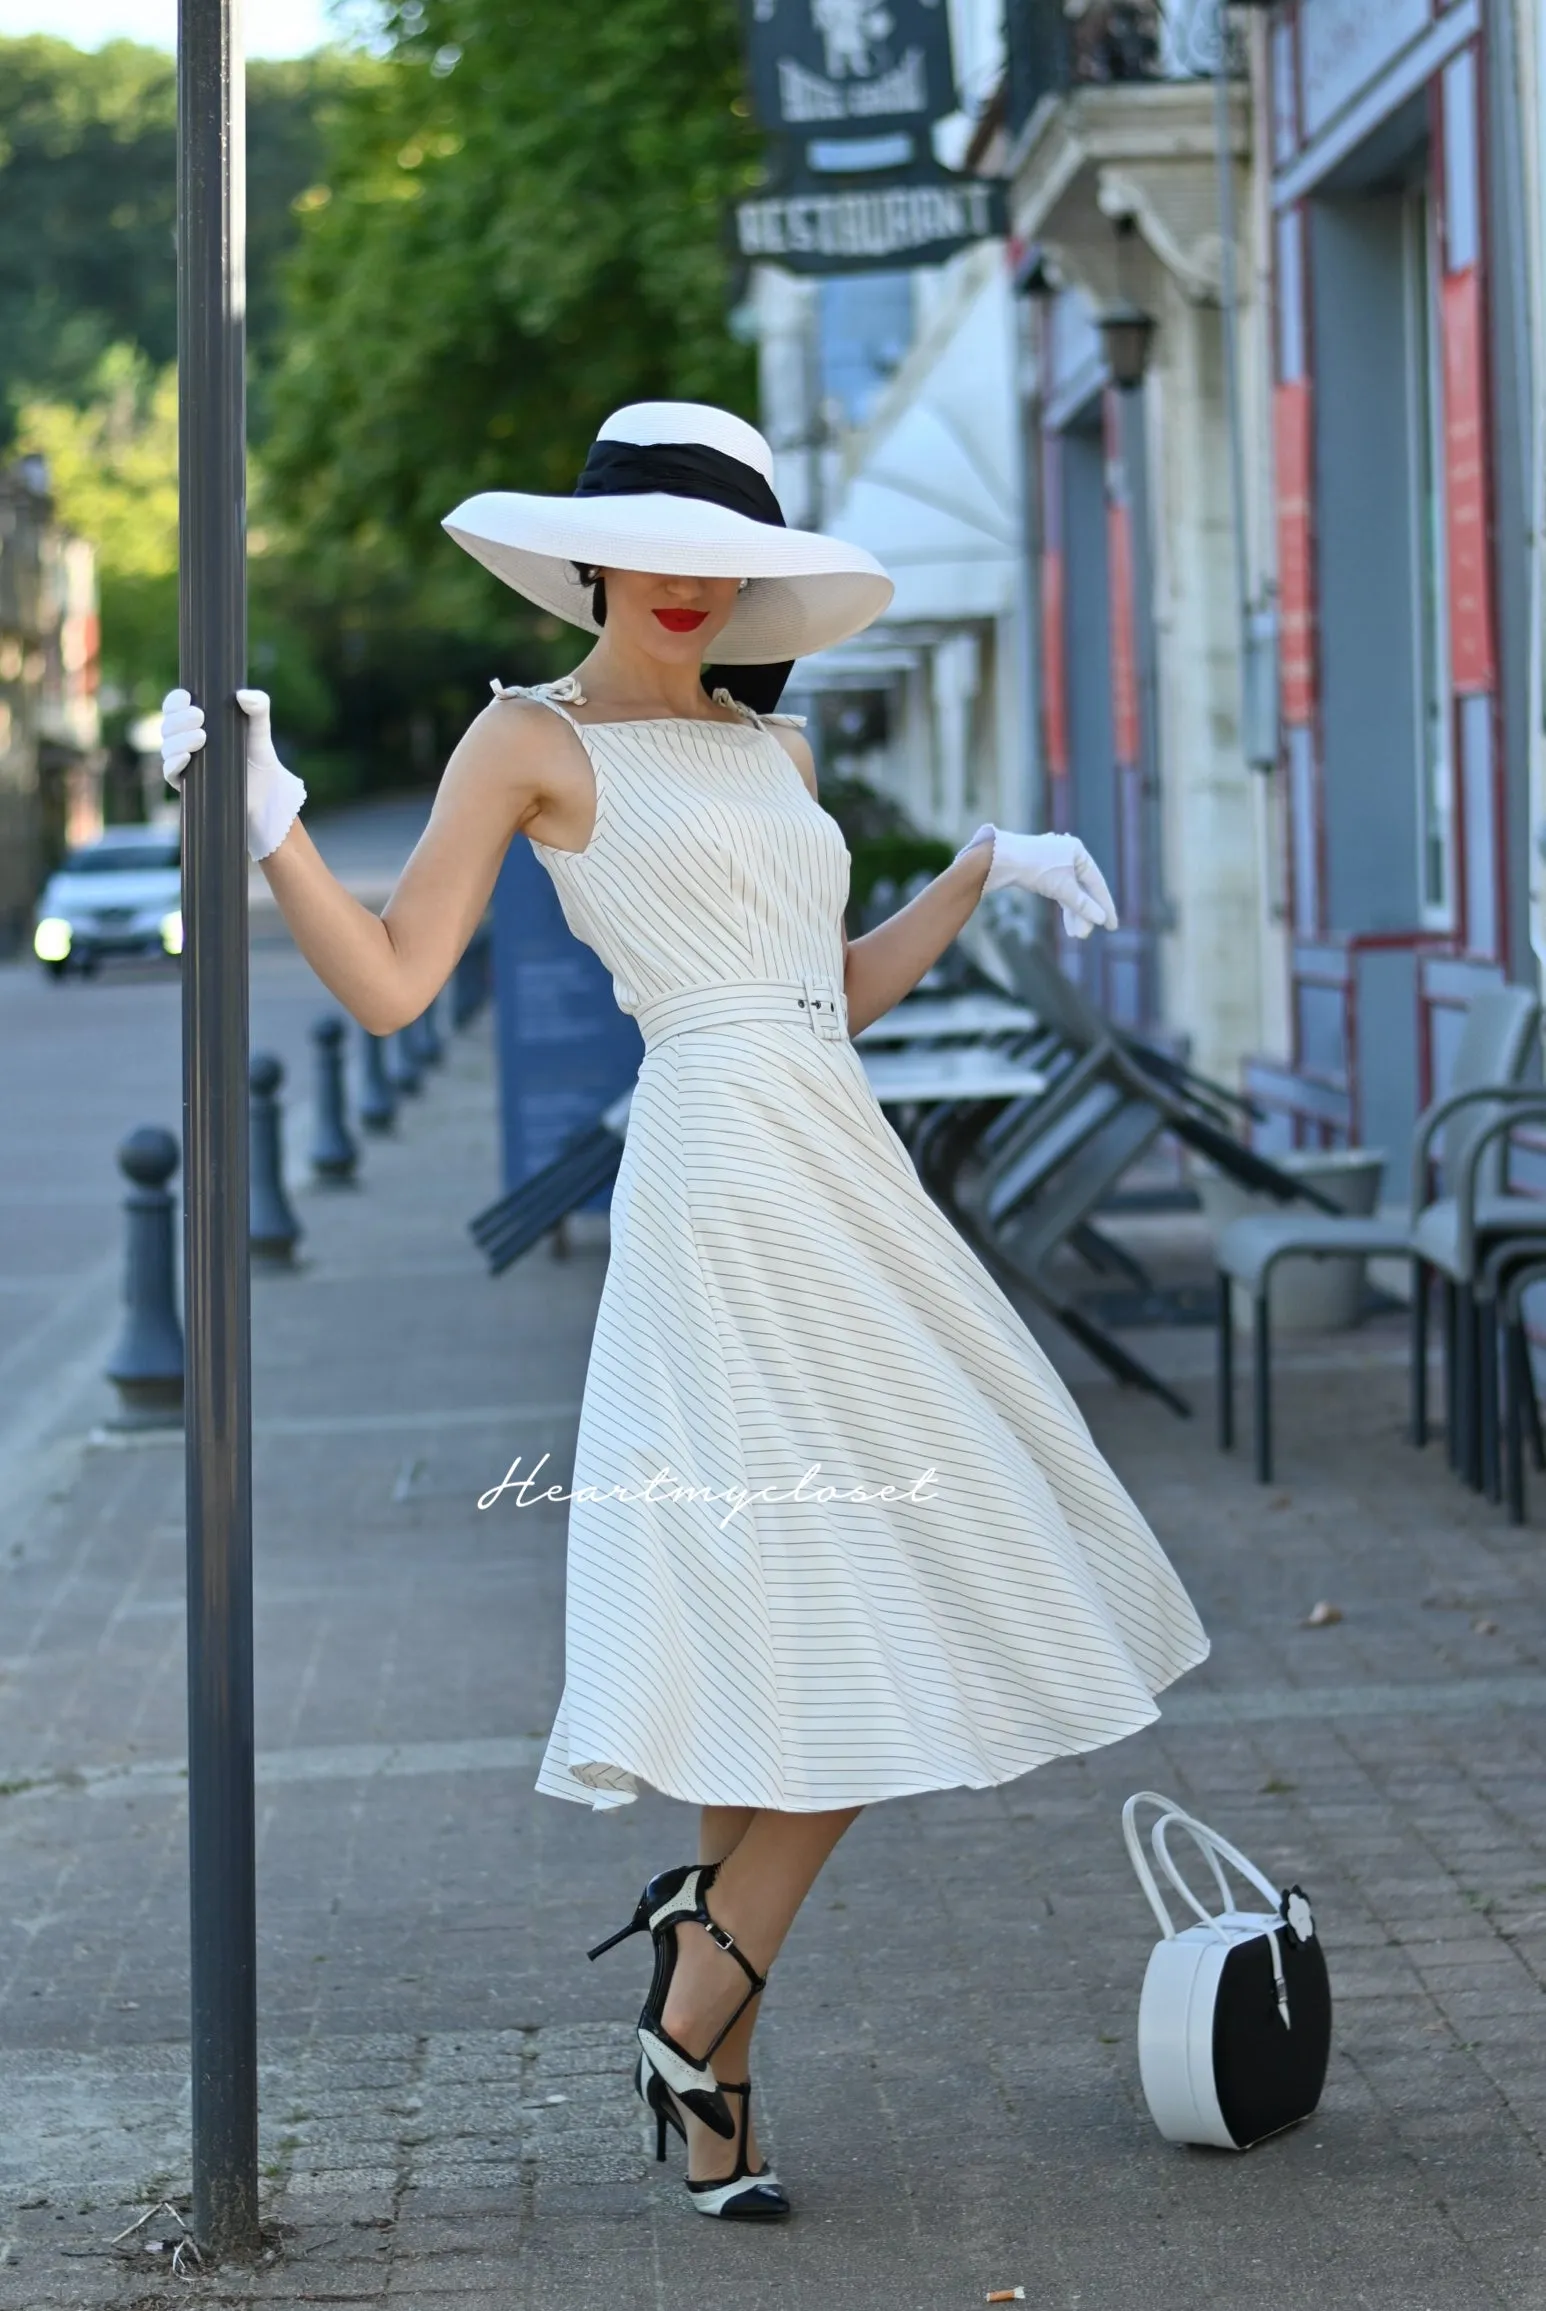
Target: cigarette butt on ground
column 1006, row 2295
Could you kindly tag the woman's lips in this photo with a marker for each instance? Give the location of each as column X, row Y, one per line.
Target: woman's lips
column 681, row 621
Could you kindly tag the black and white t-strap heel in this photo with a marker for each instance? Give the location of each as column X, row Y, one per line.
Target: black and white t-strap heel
column 741, row 2196
column 668, row 1901
column 689, row 2076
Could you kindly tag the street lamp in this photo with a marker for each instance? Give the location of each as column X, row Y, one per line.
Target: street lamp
column 1126, row 334
column 1126, row 330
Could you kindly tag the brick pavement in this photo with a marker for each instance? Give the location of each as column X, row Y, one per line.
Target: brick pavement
column 947, row 2063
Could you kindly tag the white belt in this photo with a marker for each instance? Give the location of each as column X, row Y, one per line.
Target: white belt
column 817, row 1003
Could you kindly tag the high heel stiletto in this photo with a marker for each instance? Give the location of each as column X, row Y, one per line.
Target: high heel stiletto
column 657, row 2097
column 669, row 1900
column 740, row 2196
column 656, row 1896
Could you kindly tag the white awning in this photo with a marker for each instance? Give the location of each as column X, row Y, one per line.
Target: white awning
column 937, row 497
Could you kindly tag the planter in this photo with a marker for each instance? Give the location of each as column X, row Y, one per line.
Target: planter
column 1306, row 1295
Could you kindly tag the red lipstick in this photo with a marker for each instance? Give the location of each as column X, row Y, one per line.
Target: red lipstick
column 681, row 621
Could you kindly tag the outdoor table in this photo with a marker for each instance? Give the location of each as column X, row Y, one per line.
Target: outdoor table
column 922, row 1078
column 941, row 1018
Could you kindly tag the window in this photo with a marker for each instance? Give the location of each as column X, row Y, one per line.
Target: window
column 866, row 327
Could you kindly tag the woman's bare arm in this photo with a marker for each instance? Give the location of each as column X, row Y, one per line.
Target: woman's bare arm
column 888, row 962
column 517, row 768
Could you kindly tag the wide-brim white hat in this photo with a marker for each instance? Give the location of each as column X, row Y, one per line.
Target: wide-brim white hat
column 663, row 490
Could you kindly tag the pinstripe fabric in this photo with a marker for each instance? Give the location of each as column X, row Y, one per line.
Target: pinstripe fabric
column 782, row 1292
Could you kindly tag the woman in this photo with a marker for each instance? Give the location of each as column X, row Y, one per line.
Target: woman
column 838, row 1531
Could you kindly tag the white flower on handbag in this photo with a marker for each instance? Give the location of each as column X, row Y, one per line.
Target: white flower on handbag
column 1297, row 1915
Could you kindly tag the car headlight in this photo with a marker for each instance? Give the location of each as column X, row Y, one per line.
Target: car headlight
column 172, row 931
column 51, row 940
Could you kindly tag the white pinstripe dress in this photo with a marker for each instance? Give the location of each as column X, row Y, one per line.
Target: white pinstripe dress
column 783, row 1296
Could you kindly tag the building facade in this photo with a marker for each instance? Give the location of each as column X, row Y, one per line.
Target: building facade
column 1260, row 617
column 1123, row 156
column 1402, row 417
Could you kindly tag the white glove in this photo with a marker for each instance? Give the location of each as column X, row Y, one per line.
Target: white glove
column 274, row 794
column 1056, row 867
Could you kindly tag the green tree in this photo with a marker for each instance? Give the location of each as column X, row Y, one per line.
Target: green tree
column 461, row 255
column 522, row 227
column 88, row 320
column 88, row 200
column 112, row 466
column 367, row 687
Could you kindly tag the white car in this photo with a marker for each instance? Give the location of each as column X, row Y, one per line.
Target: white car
column 119, row 895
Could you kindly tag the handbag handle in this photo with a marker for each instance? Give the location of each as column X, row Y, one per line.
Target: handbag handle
column 1159, row 1839
column 1211, row 1846
column 1208, row 1842
column 1140, row 1859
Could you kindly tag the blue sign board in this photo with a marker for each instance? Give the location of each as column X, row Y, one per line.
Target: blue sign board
column 566, row 1052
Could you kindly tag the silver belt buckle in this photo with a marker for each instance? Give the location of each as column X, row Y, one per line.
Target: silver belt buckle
column 822, row 1008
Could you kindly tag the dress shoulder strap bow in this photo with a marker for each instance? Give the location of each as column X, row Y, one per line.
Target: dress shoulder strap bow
column 565, row 691
column 749, row 714
column 559, row 695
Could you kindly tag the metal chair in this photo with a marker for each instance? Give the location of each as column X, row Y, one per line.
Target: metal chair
column 1444, row 1235
column 1455, row 1239
column 1522, row 1409
column 1043, row 1173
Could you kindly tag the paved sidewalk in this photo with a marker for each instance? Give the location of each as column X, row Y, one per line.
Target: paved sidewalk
column 947, row 2069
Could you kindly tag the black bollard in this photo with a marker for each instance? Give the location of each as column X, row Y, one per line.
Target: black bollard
column 403, row 1063
column 334, row 1152
column 273, row 1229
column 427, row 1027
column 378, row 1105
column 146, row 1367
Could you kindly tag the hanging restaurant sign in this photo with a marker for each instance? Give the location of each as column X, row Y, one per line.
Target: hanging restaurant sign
column 876, row 223
column 847, row 67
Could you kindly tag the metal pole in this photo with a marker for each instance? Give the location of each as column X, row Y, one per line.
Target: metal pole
column 211, row 308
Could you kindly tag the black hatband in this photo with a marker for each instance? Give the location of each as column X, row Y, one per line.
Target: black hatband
column 683, row 469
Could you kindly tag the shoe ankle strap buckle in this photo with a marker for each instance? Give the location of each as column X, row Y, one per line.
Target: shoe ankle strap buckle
column 728, row 1943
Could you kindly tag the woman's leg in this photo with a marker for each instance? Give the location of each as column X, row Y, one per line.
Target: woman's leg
column 769, row 1862
column 721, row 1829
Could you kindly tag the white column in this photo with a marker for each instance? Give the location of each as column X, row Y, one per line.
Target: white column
column 1211, row 948
column 957, row 673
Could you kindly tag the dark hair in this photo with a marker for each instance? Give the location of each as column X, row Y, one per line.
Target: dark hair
column 589, row 575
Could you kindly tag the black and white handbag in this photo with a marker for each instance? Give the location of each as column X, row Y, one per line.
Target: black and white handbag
column 1234, row 2025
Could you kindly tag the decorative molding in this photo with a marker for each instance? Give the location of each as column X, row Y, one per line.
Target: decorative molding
column 1138, row 149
